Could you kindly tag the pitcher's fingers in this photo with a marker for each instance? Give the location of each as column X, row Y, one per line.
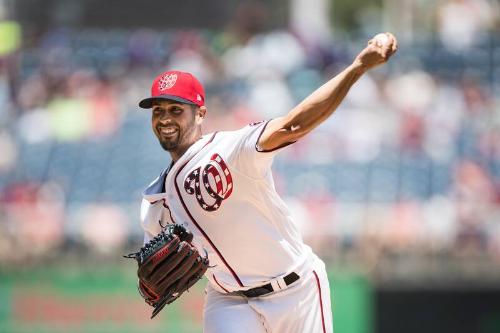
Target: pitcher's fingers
column 394, row 42
column 387, row 49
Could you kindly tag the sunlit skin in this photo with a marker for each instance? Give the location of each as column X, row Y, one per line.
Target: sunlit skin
column 177, row 125
column 320, row 104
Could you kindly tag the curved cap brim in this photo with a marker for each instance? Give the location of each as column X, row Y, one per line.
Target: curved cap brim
column 147, row 103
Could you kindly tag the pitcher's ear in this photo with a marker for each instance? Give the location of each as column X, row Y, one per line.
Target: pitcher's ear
column 200, row 114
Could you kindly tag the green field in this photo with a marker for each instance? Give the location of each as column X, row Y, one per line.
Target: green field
column 104, row 298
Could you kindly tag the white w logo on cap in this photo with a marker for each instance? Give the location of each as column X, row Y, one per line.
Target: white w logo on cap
column 167, row 81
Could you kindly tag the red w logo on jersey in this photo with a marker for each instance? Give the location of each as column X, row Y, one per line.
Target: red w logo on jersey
column 217, row 183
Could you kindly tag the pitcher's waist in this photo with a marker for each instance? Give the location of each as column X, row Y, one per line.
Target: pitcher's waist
column 278, row 282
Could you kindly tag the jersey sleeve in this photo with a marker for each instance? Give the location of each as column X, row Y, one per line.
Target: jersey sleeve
column 250, row 158
column 145, row 223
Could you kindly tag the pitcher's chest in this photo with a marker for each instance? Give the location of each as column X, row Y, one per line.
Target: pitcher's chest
column 200, row 185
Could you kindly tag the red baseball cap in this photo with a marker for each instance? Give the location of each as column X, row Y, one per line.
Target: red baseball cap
column 177, row 86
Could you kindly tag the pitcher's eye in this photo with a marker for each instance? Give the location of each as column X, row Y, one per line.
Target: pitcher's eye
column 157, row 110
column 176, row 110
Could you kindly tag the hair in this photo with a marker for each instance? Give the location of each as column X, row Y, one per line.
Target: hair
column 194, row 107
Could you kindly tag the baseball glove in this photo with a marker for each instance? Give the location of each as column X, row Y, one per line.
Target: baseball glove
column 168, row 266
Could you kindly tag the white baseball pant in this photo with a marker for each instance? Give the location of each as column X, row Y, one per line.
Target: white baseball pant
column 304, row 307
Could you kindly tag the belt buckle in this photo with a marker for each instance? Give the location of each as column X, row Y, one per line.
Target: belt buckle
column 256, row 292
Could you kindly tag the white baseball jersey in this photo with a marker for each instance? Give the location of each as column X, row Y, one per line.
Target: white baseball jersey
column 223, row 191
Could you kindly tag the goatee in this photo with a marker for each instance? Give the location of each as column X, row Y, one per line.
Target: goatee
column 169, row 145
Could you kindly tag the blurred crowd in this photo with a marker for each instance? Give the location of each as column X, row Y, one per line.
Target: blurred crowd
column 410, row 163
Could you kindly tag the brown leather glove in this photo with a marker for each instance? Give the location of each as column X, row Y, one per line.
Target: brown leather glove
column 168, row 266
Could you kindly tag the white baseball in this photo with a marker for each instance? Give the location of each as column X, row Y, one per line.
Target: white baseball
column 381, row 39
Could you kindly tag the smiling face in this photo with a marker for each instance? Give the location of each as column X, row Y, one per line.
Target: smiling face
column 176, row 125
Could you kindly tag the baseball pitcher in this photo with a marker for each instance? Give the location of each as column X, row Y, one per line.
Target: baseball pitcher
column 214, row 210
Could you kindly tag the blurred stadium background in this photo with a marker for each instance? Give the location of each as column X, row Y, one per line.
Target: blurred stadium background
column 399, row 191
